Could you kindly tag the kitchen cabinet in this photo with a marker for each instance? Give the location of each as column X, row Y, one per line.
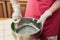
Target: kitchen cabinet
column 6, row 9
column 23, row 7
column 2, row 9
column 10, row 9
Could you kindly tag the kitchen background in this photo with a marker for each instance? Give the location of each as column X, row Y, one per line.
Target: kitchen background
column 6, row 9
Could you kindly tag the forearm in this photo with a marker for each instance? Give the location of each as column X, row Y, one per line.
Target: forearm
column 14, row 2
column 55, row 6
column 49, row 12
column 16, row 8
column 15, row 5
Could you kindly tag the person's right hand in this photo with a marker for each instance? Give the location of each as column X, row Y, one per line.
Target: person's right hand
column 43, row 17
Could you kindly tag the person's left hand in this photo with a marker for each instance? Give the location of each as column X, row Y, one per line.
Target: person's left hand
column 43, row 17
column 16, row 16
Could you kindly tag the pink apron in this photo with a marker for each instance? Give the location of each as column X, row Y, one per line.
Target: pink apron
column 35, row 8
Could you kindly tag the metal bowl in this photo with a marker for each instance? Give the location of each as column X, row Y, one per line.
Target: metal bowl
column 27, row 26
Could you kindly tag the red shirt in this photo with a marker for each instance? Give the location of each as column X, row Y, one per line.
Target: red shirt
column 35, row 8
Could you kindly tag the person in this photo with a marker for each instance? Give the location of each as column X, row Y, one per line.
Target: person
column 47, row 12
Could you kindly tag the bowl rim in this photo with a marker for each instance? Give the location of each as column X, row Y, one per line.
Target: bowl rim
column 12, row 27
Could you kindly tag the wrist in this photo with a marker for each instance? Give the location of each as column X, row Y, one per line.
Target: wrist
column 47, row 13
column 16, row 7
column 51, row 10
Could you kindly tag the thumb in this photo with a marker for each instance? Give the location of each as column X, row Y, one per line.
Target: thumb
column 38, row 21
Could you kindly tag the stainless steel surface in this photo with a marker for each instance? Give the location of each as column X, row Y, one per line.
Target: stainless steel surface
column 26, row 27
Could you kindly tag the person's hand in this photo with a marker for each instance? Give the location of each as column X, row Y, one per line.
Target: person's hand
column 43, row 17
column 16, row 14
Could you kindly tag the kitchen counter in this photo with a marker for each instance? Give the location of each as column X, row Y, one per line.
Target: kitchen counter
column 5, row 30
